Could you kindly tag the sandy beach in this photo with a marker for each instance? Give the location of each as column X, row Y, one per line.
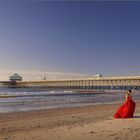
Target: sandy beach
column 81, row 123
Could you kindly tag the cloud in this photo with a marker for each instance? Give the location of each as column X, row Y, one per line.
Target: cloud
column 39, row 75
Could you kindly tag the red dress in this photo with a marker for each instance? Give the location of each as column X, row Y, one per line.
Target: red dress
column 126, row 110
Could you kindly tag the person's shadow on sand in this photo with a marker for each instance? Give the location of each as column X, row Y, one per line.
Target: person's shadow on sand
column 136, row 117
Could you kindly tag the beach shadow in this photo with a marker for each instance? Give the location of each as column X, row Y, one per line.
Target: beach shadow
column 136, row 117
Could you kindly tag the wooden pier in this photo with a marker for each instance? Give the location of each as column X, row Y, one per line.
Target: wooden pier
column 92, row 83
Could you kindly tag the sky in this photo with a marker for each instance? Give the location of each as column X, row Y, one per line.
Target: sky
column 70, row 37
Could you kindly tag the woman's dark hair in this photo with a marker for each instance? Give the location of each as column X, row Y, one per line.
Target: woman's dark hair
column 129, row 90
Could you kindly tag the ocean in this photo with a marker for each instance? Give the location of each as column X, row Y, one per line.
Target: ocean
column 31, row 99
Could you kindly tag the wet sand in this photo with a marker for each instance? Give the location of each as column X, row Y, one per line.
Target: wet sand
column 81, row 123
column 7, row 96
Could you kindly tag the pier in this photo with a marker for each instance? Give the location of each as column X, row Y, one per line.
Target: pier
column 90, row 83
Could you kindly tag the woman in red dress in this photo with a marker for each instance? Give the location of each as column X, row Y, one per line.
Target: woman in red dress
column 127, row 109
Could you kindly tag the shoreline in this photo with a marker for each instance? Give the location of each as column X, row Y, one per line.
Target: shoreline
column 79, row 123
column 63, row 108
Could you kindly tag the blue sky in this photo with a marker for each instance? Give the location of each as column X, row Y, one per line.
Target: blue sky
column 71, row 37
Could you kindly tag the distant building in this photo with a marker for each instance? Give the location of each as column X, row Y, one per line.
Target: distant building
column 15, row 77
column 98, row 75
